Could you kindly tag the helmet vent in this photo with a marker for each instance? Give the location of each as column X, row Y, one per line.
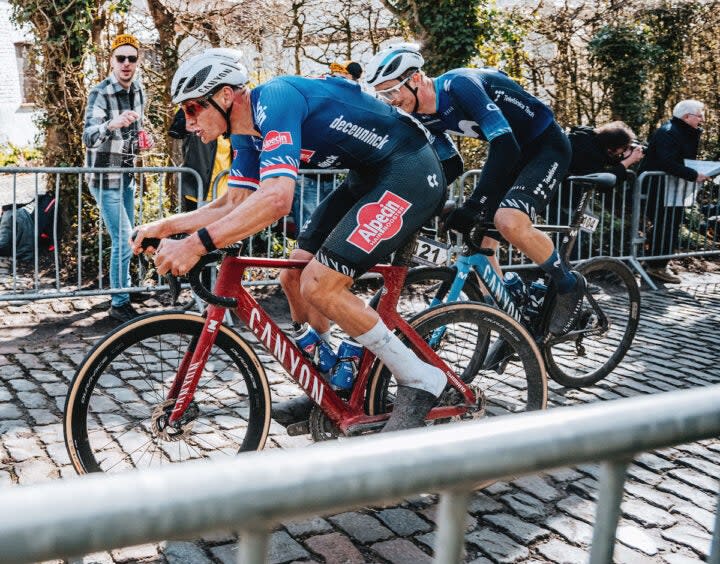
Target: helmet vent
column 198, row 79
column 392, row 66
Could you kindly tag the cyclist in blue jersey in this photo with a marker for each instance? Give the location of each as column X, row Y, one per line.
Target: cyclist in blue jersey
column 528, row 154
column 395, row 185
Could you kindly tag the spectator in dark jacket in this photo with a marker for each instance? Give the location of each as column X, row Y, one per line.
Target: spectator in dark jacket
column 675, row 141
column 608, row 148
column 207, row 159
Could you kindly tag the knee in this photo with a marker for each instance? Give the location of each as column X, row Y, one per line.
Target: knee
column 289, row 278
column 512, row 224
column 319, row 285
column 311, row 288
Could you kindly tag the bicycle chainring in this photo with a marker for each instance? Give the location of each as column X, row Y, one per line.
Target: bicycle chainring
column 321, row 428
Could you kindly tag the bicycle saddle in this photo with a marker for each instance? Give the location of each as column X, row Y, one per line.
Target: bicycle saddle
column 601, row 180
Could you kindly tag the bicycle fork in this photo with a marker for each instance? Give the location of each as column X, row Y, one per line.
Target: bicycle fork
column 192, row 364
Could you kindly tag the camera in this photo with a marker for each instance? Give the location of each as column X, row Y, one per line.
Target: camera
column 643, row 146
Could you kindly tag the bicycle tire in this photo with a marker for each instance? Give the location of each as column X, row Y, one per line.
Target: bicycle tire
column 522, row 386
column 119, row 387
column 613, row 285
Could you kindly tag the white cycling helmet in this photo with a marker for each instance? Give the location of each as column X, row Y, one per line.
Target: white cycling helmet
column 393, row 62
column 206, row 71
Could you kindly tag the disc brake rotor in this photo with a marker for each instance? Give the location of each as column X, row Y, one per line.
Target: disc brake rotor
column 161, row 415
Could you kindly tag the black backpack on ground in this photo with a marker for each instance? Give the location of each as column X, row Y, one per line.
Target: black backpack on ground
column 25, row 229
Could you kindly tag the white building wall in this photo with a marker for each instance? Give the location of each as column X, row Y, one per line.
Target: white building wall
column 16, row 120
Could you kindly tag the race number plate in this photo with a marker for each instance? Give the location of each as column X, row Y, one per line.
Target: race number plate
column 430, row 252
column 589, row 223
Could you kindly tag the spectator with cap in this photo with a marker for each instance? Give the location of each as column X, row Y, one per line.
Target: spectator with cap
column 348, row 69
column 113, row 135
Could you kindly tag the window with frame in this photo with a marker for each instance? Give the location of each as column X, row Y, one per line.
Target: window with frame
column 27, row 73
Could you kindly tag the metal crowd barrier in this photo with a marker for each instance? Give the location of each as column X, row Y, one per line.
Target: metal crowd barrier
column 254, row 491
column 41, row 280
column 674, row 218
column 613, row 237
column 35, row 286
column 630, row 219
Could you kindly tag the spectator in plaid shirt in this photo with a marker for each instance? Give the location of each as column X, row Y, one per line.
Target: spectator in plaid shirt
column 113, row 120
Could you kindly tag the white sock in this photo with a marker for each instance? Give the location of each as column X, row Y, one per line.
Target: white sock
column 407, row 368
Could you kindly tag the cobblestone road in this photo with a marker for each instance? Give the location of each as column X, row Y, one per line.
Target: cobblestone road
column 670, row 497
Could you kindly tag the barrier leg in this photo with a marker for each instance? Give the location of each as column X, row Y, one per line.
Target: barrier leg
column 635, row 263
column 612, row 482
column 451, row 527
column 253, row 546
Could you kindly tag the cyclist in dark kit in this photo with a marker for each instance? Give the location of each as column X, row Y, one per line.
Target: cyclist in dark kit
column 395, row 184
column 527, row 159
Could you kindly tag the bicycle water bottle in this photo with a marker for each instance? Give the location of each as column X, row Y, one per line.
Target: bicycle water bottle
column 344, row 372
column 516, row 287
column 536, row 298
column 315, row 348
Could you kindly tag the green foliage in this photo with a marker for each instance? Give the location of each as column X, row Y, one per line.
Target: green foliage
column 624, row 56
column 501, row 41
column 14, row 155
column 449, row 29
column 453, row 30
column 667, row 30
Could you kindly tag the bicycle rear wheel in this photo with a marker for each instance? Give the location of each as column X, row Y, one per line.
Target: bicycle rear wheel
column 117, row 400
column 514, row 384
column 590, row 357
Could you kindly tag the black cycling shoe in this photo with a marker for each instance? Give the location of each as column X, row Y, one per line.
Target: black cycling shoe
column 123, row 313
column 292, row 411
column 411, row 407
column 568, row 307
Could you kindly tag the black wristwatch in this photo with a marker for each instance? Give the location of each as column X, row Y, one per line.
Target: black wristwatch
column 206, row 240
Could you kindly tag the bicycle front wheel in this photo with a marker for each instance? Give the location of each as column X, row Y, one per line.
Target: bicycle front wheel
column 512, row 382
column 607, row 329
column 117, row 401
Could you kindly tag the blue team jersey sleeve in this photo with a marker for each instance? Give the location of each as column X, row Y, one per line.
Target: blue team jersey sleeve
column 469, row 94
column 244, row 170
column 279, row 112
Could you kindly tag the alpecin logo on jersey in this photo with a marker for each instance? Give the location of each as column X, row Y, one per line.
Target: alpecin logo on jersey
column 274, row 139
column 379, row 221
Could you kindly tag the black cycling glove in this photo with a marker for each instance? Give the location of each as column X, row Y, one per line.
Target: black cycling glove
column 466, row 216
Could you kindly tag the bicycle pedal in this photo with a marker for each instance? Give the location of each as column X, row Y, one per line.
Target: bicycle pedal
column 299, row 428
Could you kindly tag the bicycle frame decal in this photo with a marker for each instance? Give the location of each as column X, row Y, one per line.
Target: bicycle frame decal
column 490, row 278
column 268, row 333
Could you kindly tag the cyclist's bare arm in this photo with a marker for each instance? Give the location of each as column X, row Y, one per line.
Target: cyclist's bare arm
column 272, row 201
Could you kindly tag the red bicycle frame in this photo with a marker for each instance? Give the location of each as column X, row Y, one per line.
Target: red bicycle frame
column 347, row 416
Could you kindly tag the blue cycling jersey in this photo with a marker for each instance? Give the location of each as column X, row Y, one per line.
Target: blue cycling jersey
column 325, row 122
column 485, row 103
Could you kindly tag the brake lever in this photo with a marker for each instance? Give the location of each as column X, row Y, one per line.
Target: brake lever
column 172, row 280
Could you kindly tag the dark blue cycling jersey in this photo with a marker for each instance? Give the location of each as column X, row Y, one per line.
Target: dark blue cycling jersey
column 326, row 122
column 485, row 103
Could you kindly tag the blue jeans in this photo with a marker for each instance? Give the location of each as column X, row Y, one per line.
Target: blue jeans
column 309, row 192
column 117, row 207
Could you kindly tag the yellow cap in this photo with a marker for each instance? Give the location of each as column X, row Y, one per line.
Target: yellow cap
column 338, row 67
column 125, row 39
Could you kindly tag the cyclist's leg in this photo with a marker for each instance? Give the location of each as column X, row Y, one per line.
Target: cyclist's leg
column 543, row 170
column 323, row 219
column 399, row 199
